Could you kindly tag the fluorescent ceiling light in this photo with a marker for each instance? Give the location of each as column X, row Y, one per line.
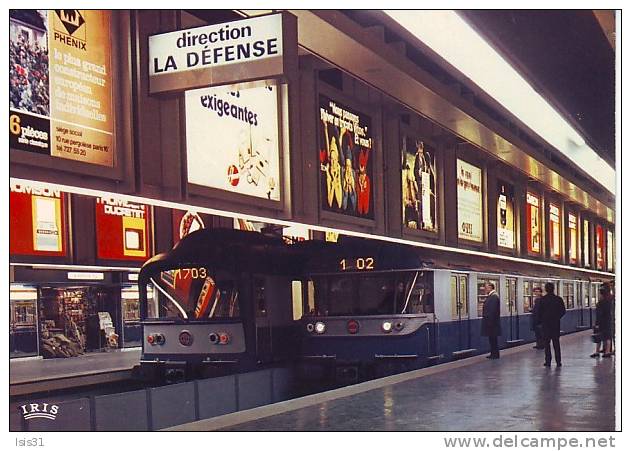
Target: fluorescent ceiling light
column 460, row 45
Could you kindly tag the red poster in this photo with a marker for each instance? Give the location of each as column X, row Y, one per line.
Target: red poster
column 600, row 248
column 122, row 230
column 185, row 222
column 38, row 221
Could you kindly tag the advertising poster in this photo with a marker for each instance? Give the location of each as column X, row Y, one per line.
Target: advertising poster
column 60, row 84
column 505, row 215
column 555, row 232
column 418, row 177
column 585, row 242
column 533, row 229
column 37, row 221
column 122, row 230
column 600, row 247
column 610, row 251
column 573, row 244
column 232, row 140
column 185, row 222
column 346, row 160
column 469, row 180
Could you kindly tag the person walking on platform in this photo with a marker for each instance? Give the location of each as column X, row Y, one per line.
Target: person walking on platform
column 604, row 322
column 535, row 325
column 551, row 310
column 491, row 326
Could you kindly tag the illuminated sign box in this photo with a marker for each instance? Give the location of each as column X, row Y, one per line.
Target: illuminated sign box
column 122, row 229
column 232, row 139
column 60, row 84
column 37, row 221
column 469, row 189
column 242, row 50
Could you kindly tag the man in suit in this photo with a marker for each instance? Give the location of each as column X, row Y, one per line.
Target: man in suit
column 551, row 310
column 491, row 326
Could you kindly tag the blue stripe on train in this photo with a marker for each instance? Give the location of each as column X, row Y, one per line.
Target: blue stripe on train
column 432, row 339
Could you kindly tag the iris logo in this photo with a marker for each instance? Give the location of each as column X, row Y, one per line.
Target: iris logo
column 37, row 410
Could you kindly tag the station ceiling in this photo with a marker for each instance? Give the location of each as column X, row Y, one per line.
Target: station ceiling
column 569, row 56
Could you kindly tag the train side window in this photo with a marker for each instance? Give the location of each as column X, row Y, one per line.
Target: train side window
column 568, row 294
column 296, row 299
column 482, row 281
column 527, row 296
column 421, row 298
column 459, row 297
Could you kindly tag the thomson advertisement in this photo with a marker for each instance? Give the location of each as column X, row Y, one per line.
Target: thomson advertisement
column 232, row 140
column 346, row 168
column 60, row 84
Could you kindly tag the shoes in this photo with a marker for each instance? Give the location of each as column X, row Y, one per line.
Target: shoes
column 607, row 354
column 559, row 365
column 492, row 357
column 546, row 364
column 594, row 355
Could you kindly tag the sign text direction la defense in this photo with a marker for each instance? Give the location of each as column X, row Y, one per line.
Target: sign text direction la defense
column 234, row 42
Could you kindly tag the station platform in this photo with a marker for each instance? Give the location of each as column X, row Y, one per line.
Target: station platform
column 513, row 393
column 33, row 375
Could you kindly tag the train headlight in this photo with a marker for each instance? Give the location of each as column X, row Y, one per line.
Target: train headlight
column 150, row 339
column 386, row 327
column 155, row 339
column 310, row 327
column 319, row 327
column 399, row 325
column 214, row 338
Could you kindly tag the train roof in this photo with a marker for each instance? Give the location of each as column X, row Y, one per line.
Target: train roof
column 375, row 255
column 227, row 249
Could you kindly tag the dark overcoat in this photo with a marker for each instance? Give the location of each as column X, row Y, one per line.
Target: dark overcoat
column 604, row 317
column 551, row 310
column 491, row 326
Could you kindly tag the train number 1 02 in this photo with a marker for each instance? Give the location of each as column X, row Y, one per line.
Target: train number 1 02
column 360, row 264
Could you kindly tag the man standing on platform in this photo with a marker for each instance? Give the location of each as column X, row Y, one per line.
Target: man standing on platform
column 551, row 310
column 491, row 326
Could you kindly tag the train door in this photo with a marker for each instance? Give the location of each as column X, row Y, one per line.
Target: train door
column 460, row 309
column 593, row 300
column 587, row 311
column 263, row 328
column 579, row 305
column 511, row 301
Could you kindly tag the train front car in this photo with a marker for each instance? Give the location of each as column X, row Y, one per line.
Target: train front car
column 368, row 311
column 217, row 303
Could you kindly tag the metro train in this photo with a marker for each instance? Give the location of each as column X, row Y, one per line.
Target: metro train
column 227, row 301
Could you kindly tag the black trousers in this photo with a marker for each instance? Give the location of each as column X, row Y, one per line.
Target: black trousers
column 557, row 349
column 495, row 349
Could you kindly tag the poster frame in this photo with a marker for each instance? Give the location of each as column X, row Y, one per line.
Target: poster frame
column 514, row 185
column 120, row 177
column 406, row 129
column 526, row 222
column 331, row 218
column 465, row 156
column 238, row 201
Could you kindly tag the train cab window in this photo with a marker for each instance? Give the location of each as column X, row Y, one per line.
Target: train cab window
column 482, row 292
column 192, row 294
column 369, row 294
column 568, row 294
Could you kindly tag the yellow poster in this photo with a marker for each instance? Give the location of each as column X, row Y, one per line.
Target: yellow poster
column 46, row 224
column 81, row 85
column 134, row 237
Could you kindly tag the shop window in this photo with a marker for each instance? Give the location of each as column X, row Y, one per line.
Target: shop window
column 22, row 321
